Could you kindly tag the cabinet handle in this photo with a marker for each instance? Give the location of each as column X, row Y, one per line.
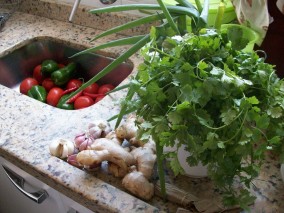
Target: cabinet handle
column 19, row 182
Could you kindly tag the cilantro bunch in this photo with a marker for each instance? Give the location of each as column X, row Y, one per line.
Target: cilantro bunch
column 224, row 105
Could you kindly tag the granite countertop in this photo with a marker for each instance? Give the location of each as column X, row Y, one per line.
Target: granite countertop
column 28, row 126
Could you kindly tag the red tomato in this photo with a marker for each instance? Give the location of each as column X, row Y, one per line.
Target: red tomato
column 74, row 83
column 54, row 95
column 37, row 74
column 103, row 89
column 26, row 84
column 48, row 84
column 61, row 65
column 93, row 88
column 99, row 98
column 83, row 102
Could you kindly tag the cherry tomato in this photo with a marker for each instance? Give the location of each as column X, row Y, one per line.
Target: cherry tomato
column 54, row 96
column 74, row 83
column 93, row 88
column 103, row 89
column 26, row 84
column 61, row 65
column 83, row 102
column 48, row 84
column 37, row 74
column 74, row 98
column 99, row 98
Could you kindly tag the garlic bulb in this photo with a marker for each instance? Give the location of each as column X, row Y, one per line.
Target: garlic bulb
column 61, row 148
column 99, row 129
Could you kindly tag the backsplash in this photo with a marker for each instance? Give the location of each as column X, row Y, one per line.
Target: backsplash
column 61, row 9
column 97, row 3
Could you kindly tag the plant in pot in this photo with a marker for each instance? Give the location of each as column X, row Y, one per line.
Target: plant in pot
column 195, row 90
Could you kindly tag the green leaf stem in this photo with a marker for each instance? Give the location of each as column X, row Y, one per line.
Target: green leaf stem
column 118, row 42
column 131, row 24
column 168, row 17
column 120, row 59
column 219, row 16
column 204, row 14
column 192, row 12
column 186, row 3
column 198, row 5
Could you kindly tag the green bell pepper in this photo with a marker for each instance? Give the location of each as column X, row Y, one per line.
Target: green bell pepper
column 37, row 92
column 63, row 105
column 63, row 75
column 48, row 67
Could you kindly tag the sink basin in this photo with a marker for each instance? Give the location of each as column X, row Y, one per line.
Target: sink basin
column 19, row 64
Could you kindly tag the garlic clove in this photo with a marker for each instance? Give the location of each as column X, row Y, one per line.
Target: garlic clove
column 99, row 128
column 95, row 132
column 79, row 139
column 86, row 144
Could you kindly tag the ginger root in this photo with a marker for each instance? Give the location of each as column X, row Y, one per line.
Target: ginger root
column 137, row 180
column 105, row 150
column 128, row 131
column 145, row 160
column 136, row 183
column 112, row 136
column 116, row 171
column 135, row 167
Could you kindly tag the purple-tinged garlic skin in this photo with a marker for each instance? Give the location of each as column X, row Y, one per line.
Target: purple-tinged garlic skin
column 80, row 138
column 83, row 141
column 71, row 159
column 86, row 144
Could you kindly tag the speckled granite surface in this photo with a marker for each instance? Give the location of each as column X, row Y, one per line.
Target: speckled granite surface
column 61, row 12
column 27, row 127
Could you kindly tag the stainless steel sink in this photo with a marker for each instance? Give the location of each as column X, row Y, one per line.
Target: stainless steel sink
column 19, row 64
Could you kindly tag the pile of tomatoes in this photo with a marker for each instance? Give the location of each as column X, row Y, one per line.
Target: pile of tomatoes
column 53, row 93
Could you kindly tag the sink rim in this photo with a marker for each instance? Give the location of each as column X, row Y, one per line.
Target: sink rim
column 72, row 44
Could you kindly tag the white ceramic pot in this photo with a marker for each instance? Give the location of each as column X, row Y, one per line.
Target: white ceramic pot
column 282, row 171
column 198, row 171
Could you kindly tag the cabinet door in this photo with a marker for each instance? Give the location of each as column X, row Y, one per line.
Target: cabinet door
column 74, row 207
column 12, row 200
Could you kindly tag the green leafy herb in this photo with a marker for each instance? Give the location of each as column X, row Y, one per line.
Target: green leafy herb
column 224, row 105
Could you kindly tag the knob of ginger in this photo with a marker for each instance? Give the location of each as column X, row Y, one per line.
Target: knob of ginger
column 136, row 183
column 106, row 150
